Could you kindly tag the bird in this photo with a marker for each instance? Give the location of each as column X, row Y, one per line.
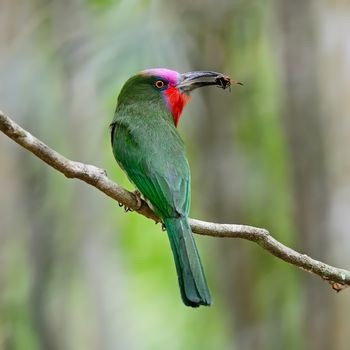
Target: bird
column 147, row 146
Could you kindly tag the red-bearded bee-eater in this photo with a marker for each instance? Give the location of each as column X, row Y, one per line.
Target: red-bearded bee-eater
column 148, row 147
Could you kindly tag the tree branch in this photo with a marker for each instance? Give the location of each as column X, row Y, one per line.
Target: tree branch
column 338, row 278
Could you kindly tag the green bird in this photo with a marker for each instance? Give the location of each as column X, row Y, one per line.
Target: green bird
column 148, row 147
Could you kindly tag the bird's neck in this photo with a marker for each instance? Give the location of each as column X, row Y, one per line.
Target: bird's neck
column 145, row 112
column 176, row 101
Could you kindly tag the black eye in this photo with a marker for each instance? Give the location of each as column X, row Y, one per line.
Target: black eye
column 159, row 84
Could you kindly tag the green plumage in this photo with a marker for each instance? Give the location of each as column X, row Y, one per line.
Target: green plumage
column 148, row 147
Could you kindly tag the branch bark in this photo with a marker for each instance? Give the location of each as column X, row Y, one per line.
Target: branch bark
column 96, row 177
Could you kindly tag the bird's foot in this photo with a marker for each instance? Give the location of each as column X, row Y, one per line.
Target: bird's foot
column 137, row 195
column 163, row 227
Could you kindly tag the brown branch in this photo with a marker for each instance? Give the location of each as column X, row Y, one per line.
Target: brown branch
column 338, row 278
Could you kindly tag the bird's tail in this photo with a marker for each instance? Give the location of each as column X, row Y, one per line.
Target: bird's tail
column 193, row 285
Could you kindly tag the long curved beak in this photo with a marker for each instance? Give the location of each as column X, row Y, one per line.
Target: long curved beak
column 193, row 80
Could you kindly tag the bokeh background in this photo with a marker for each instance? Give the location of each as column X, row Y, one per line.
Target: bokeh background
column 78, row 273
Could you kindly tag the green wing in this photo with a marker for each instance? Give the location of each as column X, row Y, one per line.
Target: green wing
column 155, row 162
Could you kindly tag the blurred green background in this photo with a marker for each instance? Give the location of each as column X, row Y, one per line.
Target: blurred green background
column 78, row 273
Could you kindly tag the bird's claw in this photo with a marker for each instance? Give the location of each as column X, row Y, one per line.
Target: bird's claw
column 159, row 222
column 126, row 209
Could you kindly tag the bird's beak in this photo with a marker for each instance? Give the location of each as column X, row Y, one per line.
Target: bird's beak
column 193, row 80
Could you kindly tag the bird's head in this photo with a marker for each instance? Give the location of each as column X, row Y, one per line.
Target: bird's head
column 170, row 87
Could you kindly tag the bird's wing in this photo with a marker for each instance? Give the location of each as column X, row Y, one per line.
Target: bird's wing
column 160, row 172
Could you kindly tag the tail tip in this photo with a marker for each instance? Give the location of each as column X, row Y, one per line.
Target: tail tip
column 197, row 302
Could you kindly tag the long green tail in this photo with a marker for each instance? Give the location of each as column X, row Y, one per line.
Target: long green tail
column 193, row 286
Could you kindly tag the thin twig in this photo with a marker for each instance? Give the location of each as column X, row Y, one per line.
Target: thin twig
column 338, row 278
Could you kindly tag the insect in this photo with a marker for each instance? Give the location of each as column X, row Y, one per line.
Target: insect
column 224, row 82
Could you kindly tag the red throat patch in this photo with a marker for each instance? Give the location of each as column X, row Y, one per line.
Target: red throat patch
column 176, row 101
